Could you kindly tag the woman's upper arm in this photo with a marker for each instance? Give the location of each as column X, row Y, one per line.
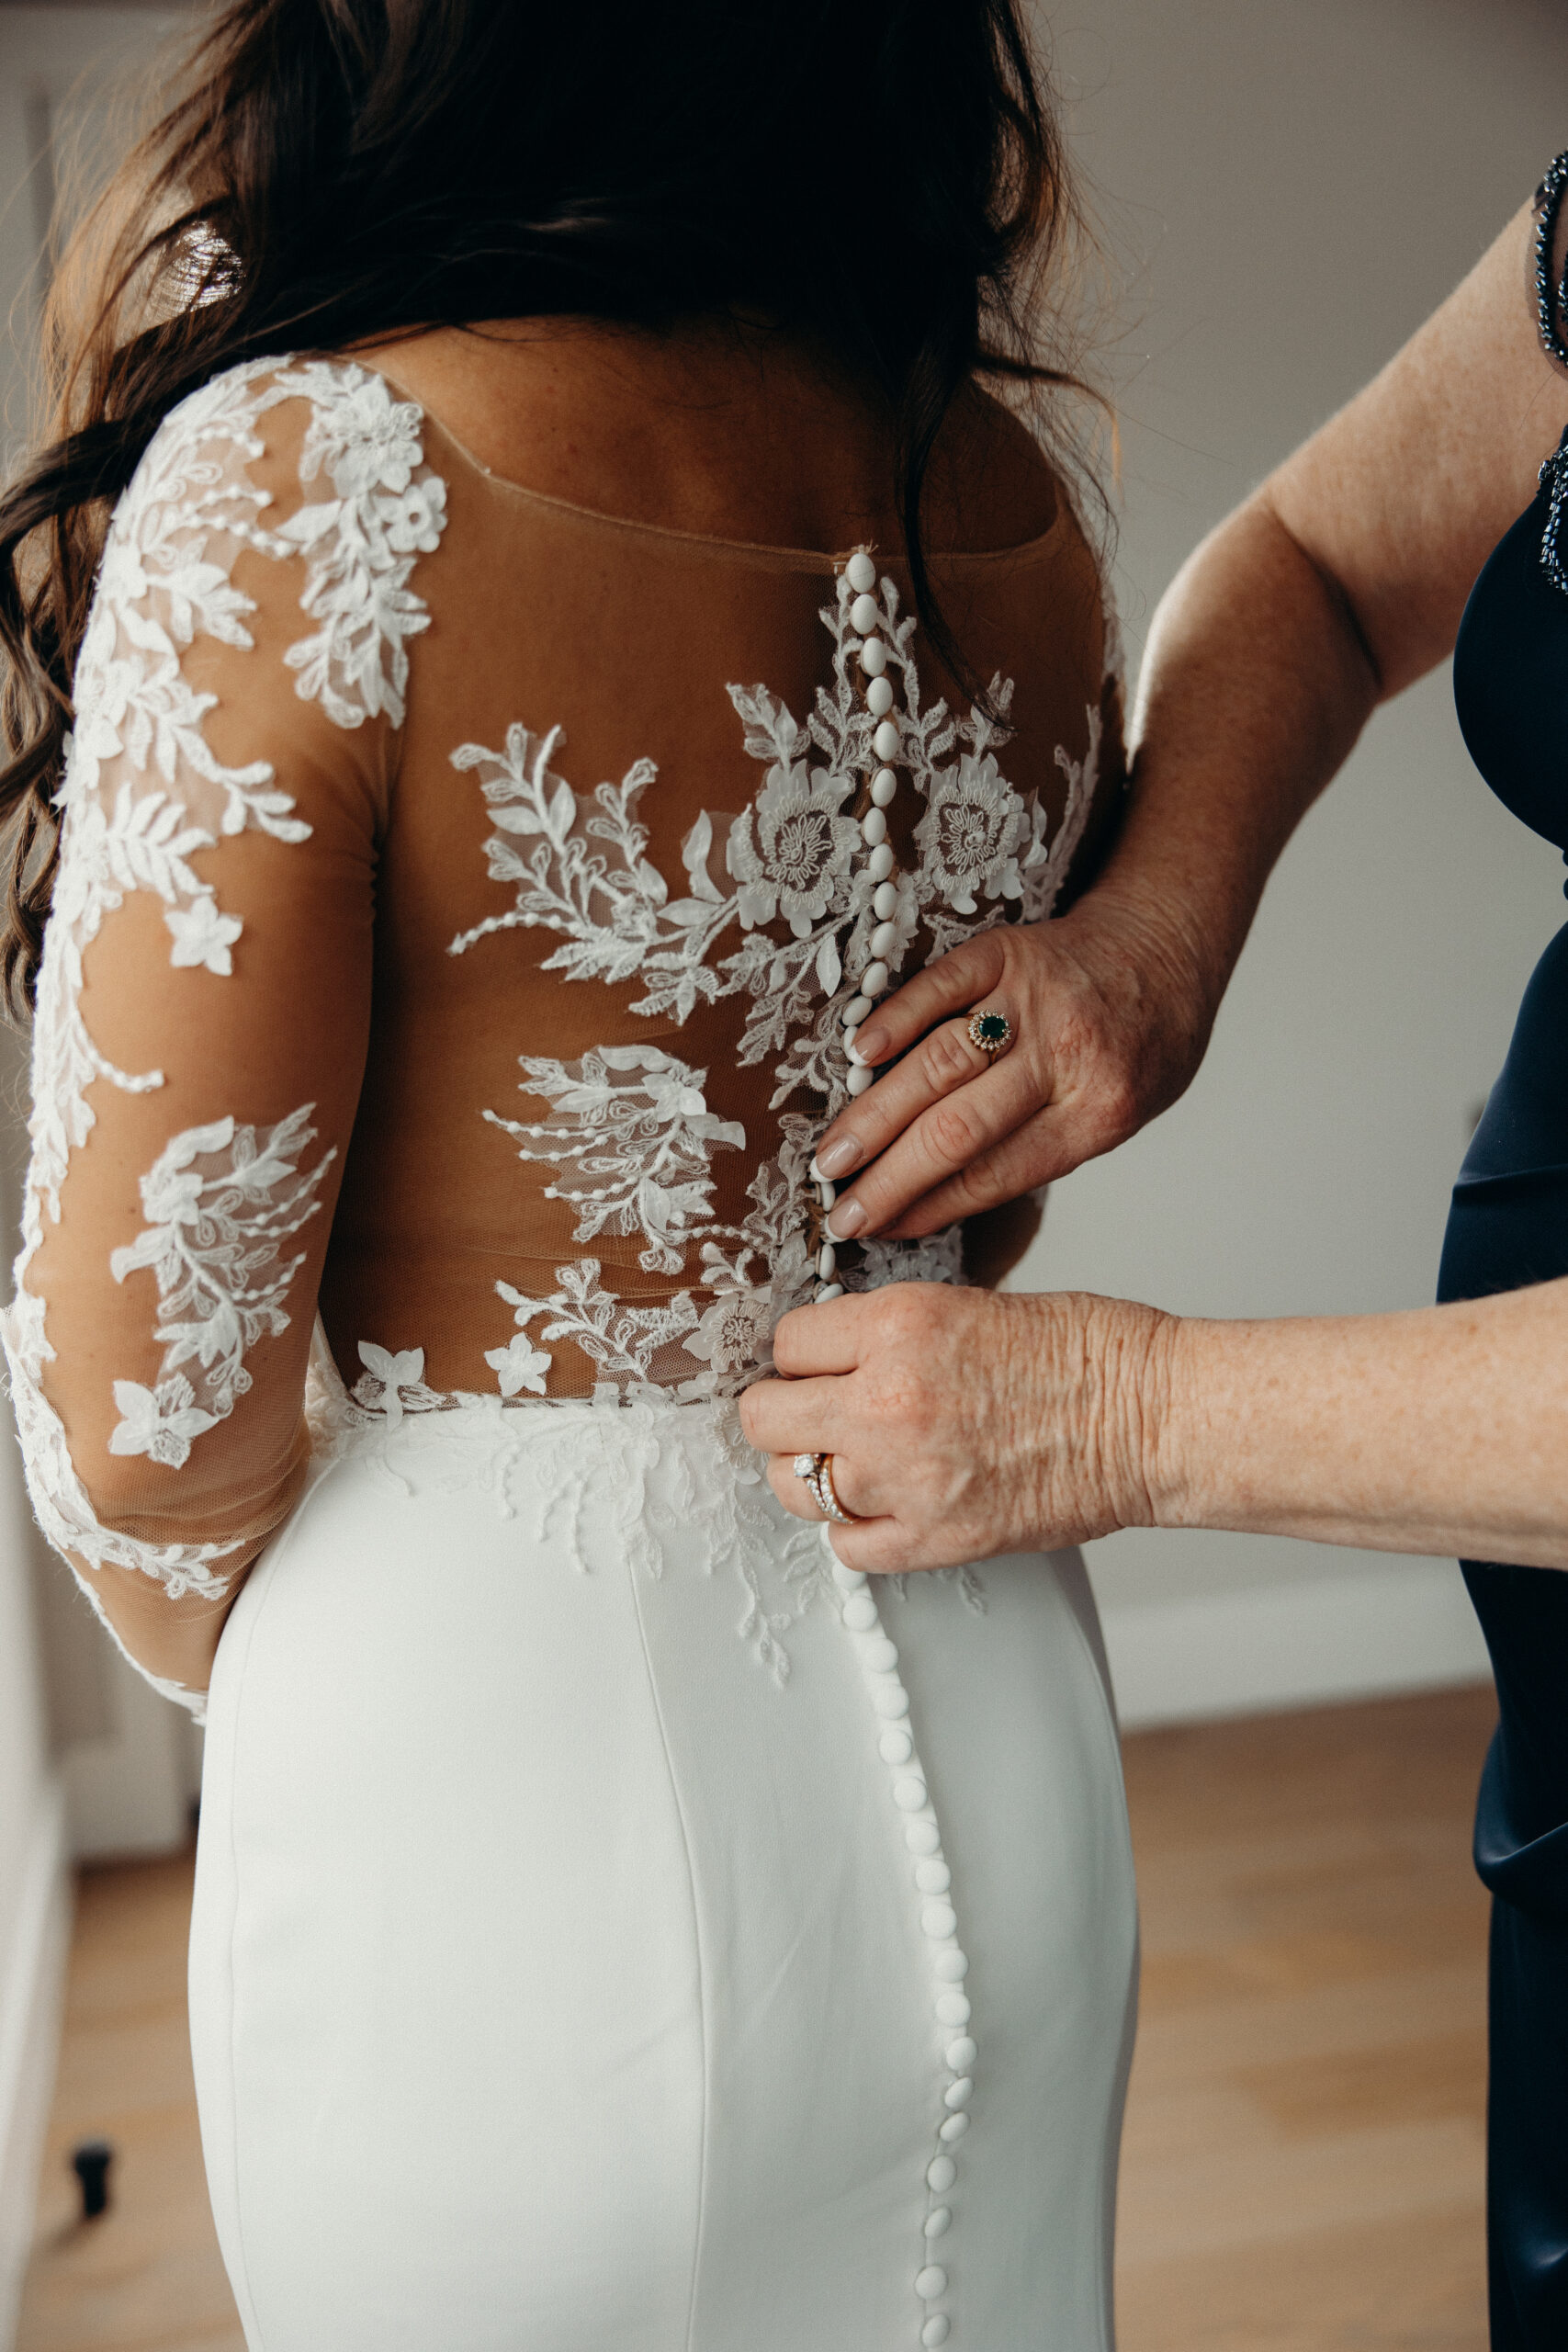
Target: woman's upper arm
column 1400, row 498
column 204, row 998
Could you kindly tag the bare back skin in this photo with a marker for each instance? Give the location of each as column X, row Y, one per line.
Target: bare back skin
column 730, row 431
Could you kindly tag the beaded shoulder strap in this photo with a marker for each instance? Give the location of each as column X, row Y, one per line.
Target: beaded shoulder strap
column 1551, row 308
column 1550, row 301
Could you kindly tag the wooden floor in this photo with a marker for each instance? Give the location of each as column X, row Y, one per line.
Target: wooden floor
column 1302, row 2165
column 146, row 2277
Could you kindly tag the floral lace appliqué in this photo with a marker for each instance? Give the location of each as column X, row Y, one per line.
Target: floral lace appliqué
column 583, row 871
column 636, row 1120
column 795, row 859
column 218, row 1206
column 659, row 1480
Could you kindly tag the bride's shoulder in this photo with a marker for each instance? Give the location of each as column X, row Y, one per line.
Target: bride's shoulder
column 315, row 464
column 283, row 421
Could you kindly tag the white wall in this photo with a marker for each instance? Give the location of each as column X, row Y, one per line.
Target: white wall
column 91, row 1760
column 1291, row 185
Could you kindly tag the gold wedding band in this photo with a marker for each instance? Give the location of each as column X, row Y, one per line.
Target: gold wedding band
column 816, row 1471
column 828, row 1494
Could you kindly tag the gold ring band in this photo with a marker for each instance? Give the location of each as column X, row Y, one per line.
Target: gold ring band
column 828, row 1494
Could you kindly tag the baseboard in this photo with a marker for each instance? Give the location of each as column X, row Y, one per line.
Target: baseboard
column 1405, row 1627
column 32, row 1984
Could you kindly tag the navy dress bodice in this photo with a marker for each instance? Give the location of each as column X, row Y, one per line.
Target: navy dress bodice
column 1509, row 1226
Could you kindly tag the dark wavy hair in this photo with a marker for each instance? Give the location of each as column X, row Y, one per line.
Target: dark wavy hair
column 882, row 175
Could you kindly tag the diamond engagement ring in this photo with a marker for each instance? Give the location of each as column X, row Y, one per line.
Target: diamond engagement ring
column 816, row 1471
column 991, row 1032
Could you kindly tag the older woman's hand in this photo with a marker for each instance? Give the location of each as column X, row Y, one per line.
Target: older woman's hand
column 1110, row 1012
column 963, row 1424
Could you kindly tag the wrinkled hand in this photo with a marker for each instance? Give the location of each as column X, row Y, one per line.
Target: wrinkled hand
column 1110, row 1015
column 963, row 1424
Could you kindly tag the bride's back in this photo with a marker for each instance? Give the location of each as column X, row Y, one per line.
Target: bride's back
column 626, row 896
column 506, row 760
column 528, row 861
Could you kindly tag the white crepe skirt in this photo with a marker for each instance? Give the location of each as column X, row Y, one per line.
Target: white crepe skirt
column 616, row 1929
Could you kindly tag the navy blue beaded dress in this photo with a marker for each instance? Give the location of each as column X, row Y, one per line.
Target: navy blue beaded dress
column 1509, row 1227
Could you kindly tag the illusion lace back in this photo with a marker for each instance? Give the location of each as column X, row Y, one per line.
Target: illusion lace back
column 459, row 901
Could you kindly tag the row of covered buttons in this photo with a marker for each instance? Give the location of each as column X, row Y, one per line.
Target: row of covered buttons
column 878, row 1660
column 867, row 619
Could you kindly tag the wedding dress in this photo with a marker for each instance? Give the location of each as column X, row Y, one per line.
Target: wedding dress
column 615, row 1924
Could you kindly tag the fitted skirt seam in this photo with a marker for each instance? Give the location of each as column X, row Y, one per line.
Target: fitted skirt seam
column 250, row 2315
column 658, row 1705
column 1109, row 2162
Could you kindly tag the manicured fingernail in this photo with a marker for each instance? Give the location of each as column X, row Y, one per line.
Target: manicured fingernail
column 871, row 1044
column 846, row 1221
column 837, row 1159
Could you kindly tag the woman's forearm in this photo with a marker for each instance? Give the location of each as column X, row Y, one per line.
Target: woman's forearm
column 1441, row 1430
column 1255, row 686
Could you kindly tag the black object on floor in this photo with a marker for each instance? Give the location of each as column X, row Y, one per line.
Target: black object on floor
column 90, row 2162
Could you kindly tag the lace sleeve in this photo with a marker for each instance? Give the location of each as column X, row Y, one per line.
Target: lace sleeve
column 204, row 1001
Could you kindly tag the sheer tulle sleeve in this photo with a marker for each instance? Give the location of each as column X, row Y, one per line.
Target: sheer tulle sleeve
column 203, row 1003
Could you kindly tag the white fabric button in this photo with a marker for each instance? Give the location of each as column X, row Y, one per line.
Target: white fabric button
column 879, row 865
column 879, row 698
column 883, row 939
column 855, row 1012
column 938, row 2221
column 848, row 1580
column 873, row 657
column 921, row 1837
column 938, row 1920
column 886, row 902
column 940, row 2174
column 863, row 614
column 936, row 2330
column 933, row 1878
column 827, row 1262
column 860, row 1078
column 873, row 979
column 883, row 784
column 873, row 828
column 859, row 571
column 896, row 1746
column 953, row 2008
column 909, row 1795
column 860, row 1613
column 953, row 1966
column 930, row 2282
column 887, row 740
column 890, row 1699
column 826, row 1192
column 960, row 2093
column 954, row 2127
column 833, row 1290
column 962, row 2055
column 878, row 1655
